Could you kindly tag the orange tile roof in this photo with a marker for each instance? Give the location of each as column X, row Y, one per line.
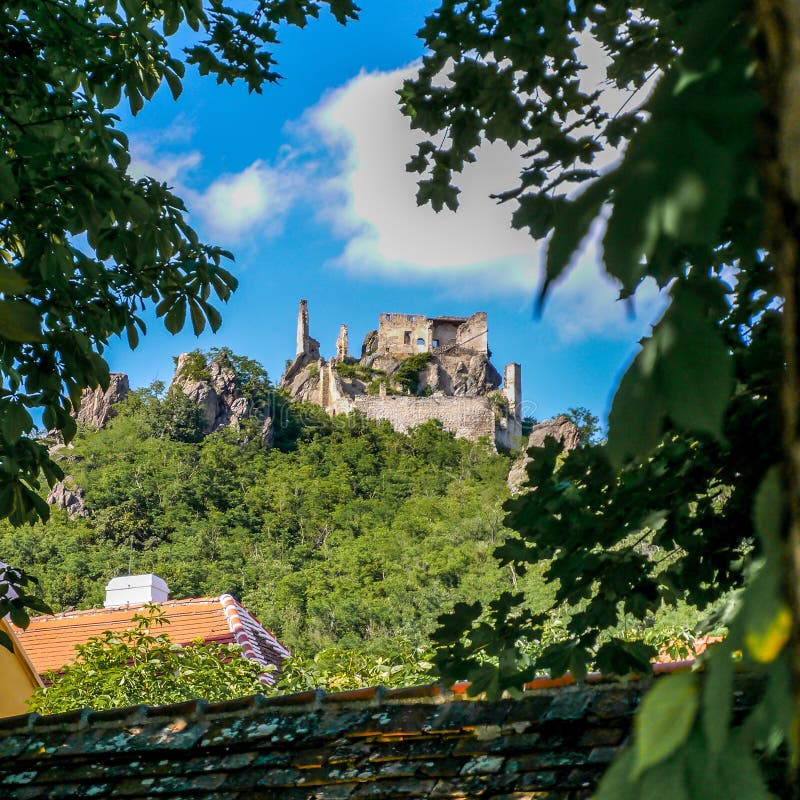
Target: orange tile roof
column 50, row 640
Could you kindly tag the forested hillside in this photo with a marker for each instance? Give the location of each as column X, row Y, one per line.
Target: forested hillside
column 343, row 533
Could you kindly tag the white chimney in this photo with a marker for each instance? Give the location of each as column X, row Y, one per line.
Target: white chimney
column 135, row 590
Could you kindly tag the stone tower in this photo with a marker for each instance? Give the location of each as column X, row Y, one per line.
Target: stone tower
column 512, row 388
column 302, row 328
column 342, row 345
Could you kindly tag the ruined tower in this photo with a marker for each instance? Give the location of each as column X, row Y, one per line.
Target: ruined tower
column 456, row 383
column 342, row 345
column 512, row 388
column 302, row 328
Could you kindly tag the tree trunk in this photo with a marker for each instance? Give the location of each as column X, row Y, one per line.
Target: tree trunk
column 778, row 43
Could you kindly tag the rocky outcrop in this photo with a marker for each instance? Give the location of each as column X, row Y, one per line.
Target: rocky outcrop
column 370, row 344
column 268, row 432
column 97, row 405
column 473, row 377
column 560, row 428
column 72, row 500
column 214, row 389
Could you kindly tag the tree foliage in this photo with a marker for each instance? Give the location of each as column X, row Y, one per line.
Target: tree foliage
column 339, row 670
column 685, row 501
column 142, row 665
column 344, row 534
column 84, row 247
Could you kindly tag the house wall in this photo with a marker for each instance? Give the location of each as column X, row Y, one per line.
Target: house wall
column 19, row 678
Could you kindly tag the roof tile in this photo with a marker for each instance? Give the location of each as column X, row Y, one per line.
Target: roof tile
column 553, row 743
column 50, row 640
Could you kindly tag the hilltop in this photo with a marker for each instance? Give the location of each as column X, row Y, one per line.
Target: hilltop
column 333, row 530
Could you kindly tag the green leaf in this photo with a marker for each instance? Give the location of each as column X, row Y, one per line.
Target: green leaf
column 695, row 370
column 172, row 19
column 5, row 641
column 768, row 511
column 619, row 657
column 617, row 783
column 666, row 780
column 636, row 419
column 108, row 94
column 683, row 371
column 36, row 603
column 176, row 316
column 572, row 224
column 8, row 185
column 718, row 697
column 214, row 317
column 16, row 421
column 664, row 719
column 174, row 82
column 19, row 616
column 11, row 282
column 20, row 321
column 198, row 318
column 133, row 336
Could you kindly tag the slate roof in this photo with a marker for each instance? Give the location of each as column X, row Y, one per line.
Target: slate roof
column 424, row 742
column 50, row 640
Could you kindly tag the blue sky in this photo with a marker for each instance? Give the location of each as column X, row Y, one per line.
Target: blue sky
column 306, row 185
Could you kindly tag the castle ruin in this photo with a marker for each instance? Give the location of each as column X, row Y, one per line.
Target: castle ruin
column 411, row 369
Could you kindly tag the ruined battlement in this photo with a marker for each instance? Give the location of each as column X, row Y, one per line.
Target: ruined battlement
column 408, row 334
column 456, row 382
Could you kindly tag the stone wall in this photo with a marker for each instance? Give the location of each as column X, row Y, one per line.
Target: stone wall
column 474, row 334
column 466, row 417
column 400, row 334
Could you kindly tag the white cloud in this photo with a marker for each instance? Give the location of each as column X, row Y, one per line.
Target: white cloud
column 369, row 200
column 255, row 200
column 169, row 168
column 347, row 164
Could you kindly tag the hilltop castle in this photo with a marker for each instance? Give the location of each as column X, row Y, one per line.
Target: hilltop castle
column 412, row 369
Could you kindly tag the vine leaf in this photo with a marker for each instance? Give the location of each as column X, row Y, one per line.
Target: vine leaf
column 683, row 372
column 718, row 697
column 664, row 720
column 572, row 223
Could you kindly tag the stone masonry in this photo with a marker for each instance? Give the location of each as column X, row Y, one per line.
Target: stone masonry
column 466, row 417
column 456, row 383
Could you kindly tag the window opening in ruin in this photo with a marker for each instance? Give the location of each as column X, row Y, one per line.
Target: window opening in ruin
column 420, row 343
column 407, row 337
column 435, row 342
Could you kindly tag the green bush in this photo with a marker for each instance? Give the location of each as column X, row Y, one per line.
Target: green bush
column 407, row 374
column 195, row 366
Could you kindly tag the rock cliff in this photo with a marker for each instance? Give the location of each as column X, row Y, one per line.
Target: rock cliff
column 560, row 428
column 213, row 386
column 69, row 497
column 97, row 405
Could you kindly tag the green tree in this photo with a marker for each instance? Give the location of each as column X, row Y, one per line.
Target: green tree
column 85, row 248
column 588, row 424
column 142, row 666
column 340, row 670
column 367, row 534
column 705, row 188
